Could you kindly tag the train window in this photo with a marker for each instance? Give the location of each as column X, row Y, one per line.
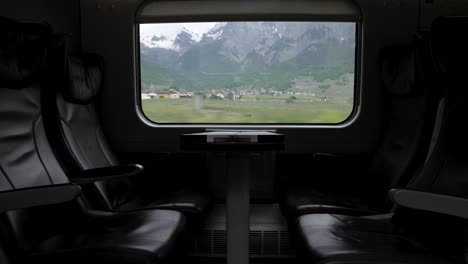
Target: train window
column 258, row 68
column 248, row 72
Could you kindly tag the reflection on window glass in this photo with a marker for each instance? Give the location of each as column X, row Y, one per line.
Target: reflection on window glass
column 247, row 72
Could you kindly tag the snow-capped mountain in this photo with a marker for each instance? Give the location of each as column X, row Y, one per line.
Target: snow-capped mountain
column 245, row 54
column 247, row 46
column 178, row 41
column 216, row 32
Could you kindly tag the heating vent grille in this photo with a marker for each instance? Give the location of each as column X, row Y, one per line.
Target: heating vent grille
column 262, row 244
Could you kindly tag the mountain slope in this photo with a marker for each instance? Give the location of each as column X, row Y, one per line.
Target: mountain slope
column 231, row 53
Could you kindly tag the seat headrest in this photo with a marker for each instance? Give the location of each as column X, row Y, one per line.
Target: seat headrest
column 450, row 44
column 85, row 77
column 23, row 49
column 398, row 69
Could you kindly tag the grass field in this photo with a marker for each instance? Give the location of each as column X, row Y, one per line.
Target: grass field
column 263, row 110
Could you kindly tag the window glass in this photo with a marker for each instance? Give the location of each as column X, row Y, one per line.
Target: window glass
column 248, row 72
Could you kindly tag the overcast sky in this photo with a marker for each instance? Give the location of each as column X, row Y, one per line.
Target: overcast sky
column 170, row 29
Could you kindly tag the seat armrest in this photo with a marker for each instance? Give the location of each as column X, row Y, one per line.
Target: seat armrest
column 38, row 196
column 106, row 173
column 431, row 202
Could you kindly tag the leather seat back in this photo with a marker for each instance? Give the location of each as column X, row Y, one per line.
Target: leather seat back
column 410, row 114
column 26, row 158
column 448, row 160
column 446, row 166
column 81, row 143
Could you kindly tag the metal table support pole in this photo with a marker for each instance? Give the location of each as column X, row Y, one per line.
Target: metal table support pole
column 238, row 205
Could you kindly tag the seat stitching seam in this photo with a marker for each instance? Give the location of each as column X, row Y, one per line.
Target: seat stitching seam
column 35, row 120
column 7, row 178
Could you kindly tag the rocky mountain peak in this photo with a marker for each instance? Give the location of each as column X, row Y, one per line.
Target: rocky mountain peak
column 236, row 46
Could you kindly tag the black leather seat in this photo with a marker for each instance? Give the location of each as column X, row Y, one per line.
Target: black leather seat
column 410, row 117
column 81, row 145
column 329, row 238
column 69, row 233
column 412, row 235
column 12, row 198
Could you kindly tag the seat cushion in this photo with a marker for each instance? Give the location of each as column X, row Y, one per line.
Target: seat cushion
column 193, row 201
column 300, row 201
column 328, row 238
column 139, row 237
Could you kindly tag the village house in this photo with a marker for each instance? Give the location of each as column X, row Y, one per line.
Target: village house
column 186, row 95
column 174, row 95
column 165, row 95
column 169, row 95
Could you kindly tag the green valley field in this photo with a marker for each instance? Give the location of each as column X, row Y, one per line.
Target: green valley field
column 254, row 110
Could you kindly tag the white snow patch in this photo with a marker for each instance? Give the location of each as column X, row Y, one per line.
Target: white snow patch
column 214, row 34
column 168, row 32
column 165, row 43
column 195, row 36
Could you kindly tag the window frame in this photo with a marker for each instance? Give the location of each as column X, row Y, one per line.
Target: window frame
column 357, row 93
